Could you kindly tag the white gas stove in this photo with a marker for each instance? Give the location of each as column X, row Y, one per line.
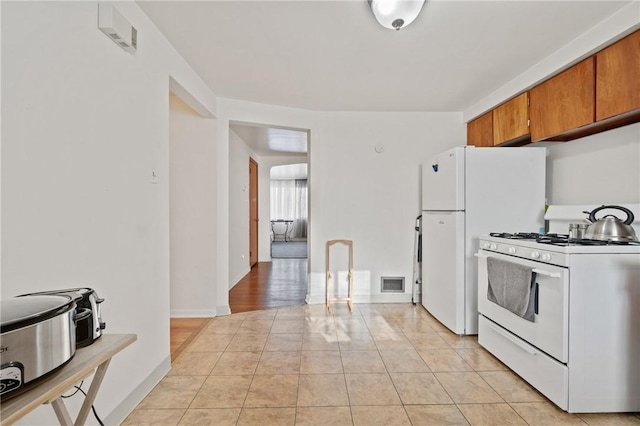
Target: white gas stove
column 579, row 343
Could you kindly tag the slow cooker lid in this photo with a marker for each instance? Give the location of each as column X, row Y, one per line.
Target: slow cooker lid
column 27, row 310
column 77, row 293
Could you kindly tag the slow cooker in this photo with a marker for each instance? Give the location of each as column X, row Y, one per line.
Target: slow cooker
column 89, row 324
column 38, row 336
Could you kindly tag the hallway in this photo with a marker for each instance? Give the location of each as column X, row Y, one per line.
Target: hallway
column 275, row 284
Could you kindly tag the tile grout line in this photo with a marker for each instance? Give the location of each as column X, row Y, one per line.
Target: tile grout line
column 244, row 401
column 193, row 340
column 344, row 374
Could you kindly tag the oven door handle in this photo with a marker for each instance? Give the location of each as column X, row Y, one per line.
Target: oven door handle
column 546, row 273
column 512, row 339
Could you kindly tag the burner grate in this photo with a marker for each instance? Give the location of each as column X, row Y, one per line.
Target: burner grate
column 564, row 240
column 560, row 239
column 584, row 242
column 516, row 236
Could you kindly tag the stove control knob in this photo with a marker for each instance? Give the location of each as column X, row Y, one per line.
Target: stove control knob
column 486, row 245
column 512, row 250
column 546, row 256
column 493, row 246
column 535, row 254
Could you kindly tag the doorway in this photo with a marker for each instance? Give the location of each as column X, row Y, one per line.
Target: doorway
column 289, row 211
column 250, row 262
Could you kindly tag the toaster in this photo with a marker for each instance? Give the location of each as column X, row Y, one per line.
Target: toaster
column 88, row 317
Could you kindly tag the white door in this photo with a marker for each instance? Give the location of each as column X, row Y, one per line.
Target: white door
column 443, row 181
column 443, row 268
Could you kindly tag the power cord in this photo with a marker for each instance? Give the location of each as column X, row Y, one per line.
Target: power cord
column 76, row 391
column 93, row 408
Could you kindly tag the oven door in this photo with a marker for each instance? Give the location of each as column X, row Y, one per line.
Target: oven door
column 549, row 330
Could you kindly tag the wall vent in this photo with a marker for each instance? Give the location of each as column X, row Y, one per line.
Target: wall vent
column 116, row 26
column 392, row 284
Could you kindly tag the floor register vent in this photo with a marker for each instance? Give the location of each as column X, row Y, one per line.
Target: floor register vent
column 392, row 284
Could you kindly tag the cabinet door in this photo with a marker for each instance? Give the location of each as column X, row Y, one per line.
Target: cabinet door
column 480, row 130
column 511, row 120
column 563, row 102
column 618, row 77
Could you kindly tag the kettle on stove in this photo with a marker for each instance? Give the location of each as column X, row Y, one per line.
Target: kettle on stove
column 609, row 227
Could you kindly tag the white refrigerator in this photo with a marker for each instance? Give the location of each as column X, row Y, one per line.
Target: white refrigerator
column 468, row 192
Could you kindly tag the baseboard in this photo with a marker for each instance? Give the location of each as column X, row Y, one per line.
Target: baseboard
column 237, row 279
column 320, row 299
column 362, row 290
column 193, row 313
column 223, row 310
column 120, row 413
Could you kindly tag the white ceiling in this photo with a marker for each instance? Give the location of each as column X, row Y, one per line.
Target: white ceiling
column 333, row 55
column 272, row 141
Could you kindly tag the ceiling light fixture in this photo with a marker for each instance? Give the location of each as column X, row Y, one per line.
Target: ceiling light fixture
column 396, row 14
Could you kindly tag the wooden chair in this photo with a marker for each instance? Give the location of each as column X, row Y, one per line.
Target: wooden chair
column 329, row 275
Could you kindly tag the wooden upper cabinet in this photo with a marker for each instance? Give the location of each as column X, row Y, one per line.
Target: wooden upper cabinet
column 598, row 94
column 480, row 130
column 618, row 77
column 564, row 102
column 511, row 120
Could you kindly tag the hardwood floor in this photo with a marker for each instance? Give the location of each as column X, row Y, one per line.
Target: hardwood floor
column 183, row 331
column 281, row 282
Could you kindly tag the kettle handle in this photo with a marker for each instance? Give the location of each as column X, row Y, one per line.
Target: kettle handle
column 629, row 213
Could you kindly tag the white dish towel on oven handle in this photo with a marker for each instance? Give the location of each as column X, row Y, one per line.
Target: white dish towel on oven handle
column 512, row 286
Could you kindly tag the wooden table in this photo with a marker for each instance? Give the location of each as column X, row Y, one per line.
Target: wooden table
column 95, row 357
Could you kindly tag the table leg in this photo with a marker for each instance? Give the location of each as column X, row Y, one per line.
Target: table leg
column 61, row 412
column 92, row 392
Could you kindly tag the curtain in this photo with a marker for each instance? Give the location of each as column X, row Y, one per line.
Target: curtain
column 289, row 202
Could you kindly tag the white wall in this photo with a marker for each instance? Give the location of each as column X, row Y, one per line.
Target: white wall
column 599, row 169
column 84, row 125
column 369, row 197
column 192, row 212
column 239, row 154
column 355, row 192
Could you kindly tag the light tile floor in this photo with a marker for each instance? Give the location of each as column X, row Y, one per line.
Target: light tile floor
column 383, row 364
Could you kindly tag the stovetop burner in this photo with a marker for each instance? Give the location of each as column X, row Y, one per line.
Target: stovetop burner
column 516, row 236
column 560, row 239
